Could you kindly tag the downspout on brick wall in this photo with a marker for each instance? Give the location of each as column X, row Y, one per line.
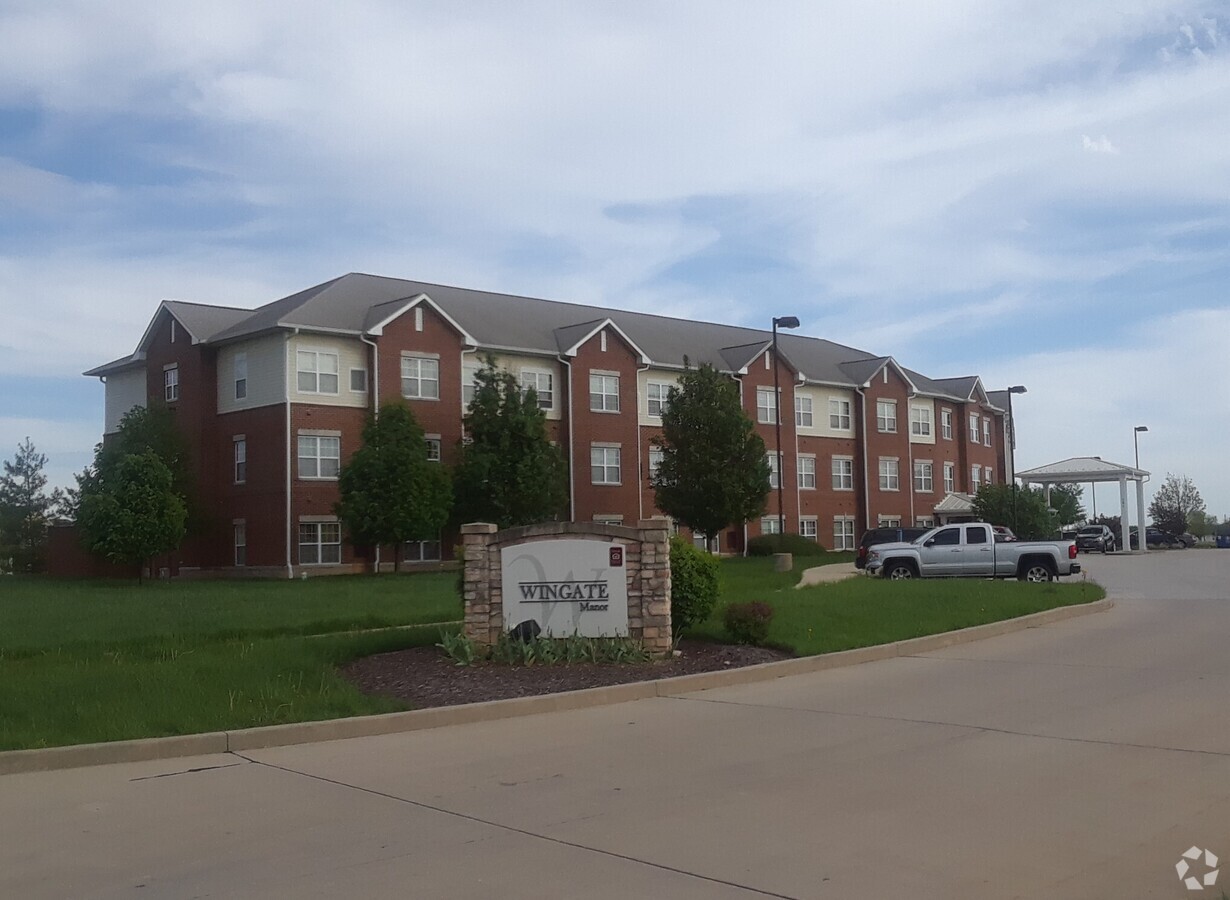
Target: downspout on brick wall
column 866, row 484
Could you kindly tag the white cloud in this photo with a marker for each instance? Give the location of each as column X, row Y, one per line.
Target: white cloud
column 1101, row 145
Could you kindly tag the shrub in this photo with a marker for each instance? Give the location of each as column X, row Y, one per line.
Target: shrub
column 748, row 623
column 768, row 544
column 694, row 585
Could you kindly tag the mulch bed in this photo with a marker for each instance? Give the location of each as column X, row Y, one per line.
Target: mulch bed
column 424, row 676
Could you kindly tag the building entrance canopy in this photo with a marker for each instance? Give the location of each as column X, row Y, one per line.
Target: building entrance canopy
column 1095, row 470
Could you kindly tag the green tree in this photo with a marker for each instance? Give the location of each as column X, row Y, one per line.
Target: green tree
column 1174, row 503
column 132, row 513
column 713, row 471
column 695, row 585
column 25, row 509
column 1200, row 523
column 1033, row 519
column 1066, row 501
column 391, row 492
column 509, row 472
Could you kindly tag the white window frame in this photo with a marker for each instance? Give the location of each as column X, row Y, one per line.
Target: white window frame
column 770, row 525
column 950, row 477
column 241, row 376
column 655, row 461
column 988, row 475
column 803, row 413
column 924, row 522
column 420, row 551
column 806, row 467
column 603, row 392
column 946, row 423
column 920, row 421
column 839, row 414
column 975, row 478
column 843, row 473
column 363, row 388
column 317, row 446
column 656, row 405
column 986, row 431
column 973, row 429
column 316, row 532
column 420, row 377
column 170, row 383
column 809, row 527
column 239, row 530
column 469, row 385
column 309, row 363
column 433, row 447
column 886, row 416
column 766, row 405
column 773, row 459
column 843, row 532
column 890, row 473
column 924, row 476
column 605, row 465
column 240, row 457
column 534, row 377
column 889, row 521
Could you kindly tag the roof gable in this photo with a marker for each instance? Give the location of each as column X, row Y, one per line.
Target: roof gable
column 579, row 334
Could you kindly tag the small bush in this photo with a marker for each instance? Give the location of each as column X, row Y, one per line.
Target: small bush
column 748, row 623
column 694, row 585
column 768, row 544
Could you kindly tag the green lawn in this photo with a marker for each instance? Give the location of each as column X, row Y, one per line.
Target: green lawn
column 98, row 661
column 39, row 613
column 84, row 661
column 862, row 611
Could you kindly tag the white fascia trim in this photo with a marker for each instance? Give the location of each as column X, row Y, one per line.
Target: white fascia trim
column 378, row 329
column 149, row 329
column 900, row 371
column 575, row 348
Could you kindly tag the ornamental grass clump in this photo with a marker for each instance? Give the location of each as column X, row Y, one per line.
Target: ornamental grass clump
column 748, row 623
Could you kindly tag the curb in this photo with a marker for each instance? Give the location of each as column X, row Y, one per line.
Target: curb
column 145, row 749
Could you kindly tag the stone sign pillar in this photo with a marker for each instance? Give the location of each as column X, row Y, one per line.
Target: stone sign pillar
column 569, row 578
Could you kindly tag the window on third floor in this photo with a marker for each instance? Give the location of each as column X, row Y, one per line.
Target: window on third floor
column 886, row 416
column 603, row 393
column 316, row 371
column 766, row 406
column 420, row 378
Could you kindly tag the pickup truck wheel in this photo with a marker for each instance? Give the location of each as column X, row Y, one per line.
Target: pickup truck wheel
column 1036, row 573
column 898, row 571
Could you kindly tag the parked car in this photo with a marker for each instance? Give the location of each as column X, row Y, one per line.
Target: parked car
column 874, row 536
column 1003, row 534
column 1155, row 537
column 1095, row 537
column 967, row 550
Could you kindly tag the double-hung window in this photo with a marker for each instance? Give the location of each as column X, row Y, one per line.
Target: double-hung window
column 890, row 475
column 320, row 543
column 843, row 473
column 420, row 378
column 924, row 481
column 774, row 469
column 241, row 459
column 240, row 532
column 657, row 397
column 839, row 414
column 975, row 478
column 541, row 383
column 807, row 473
column 241, row 376
column 843, row 532
column 433, row 449
column 802, row 411
column 170, row 383
column 920, row 421
column 766, row 406
column 469, row 385
column 986, row 431
column 886, row 416
column 604, row 465
column 316, row 371
column 973, row 428
column 950, row 477
column 655, row 461
column 807, row 527
column 770, row 525
column 603, row 393
column 319, row 456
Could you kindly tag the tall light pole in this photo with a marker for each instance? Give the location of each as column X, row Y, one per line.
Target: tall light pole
column 783, row 322
column 1136, row 441
column 1015, row 389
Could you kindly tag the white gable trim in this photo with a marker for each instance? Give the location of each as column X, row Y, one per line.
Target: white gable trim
column 378, row 329
column 607, row 323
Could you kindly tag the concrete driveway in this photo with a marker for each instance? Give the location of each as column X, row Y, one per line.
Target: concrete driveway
column 1074, row 760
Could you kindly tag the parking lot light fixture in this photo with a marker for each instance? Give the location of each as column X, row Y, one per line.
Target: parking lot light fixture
column 1136, row 441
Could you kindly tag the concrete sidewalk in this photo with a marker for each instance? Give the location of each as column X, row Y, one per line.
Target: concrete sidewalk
column 1076, row 760
column 827, row 574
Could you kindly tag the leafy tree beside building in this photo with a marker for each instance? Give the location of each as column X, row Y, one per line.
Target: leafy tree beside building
column 26, row 509
column 391, row 491
column 713, row 472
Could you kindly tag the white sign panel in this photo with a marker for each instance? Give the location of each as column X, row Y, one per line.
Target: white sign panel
column 567, row 587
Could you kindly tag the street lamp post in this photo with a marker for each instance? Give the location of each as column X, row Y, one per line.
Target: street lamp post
column 1136, row 441
column 1015, row 389
column 783, row 322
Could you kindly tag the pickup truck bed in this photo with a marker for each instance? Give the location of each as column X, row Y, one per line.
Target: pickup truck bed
column 969, row 550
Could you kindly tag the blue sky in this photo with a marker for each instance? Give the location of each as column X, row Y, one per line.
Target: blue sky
column 1037, row 192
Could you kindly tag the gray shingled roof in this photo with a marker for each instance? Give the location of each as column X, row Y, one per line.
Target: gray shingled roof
column 355, row 303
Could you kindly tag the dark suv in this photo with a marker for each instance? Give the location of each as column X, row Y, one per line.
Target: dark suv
column 1095, row 538
column 873, row 536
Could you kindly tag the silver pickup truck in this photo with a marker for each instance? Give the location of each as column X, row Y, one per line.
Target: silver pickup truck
column 969, row 550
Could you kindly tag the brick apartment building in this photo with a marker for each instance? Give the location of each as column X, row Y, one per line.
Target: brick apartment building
column 273, row 400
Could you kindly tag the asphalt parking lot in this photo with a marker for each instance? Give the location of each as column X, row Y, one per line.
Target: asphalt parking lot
column 1077, row 760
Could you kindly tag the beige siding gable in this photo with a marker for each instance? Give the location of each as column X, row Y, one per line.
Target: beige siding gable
column 327, row 352
column 124, row 390
column 263, row 361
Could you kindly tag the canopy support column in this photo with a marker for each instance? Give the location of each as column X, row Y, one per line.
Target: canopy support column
column 1140, row 513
